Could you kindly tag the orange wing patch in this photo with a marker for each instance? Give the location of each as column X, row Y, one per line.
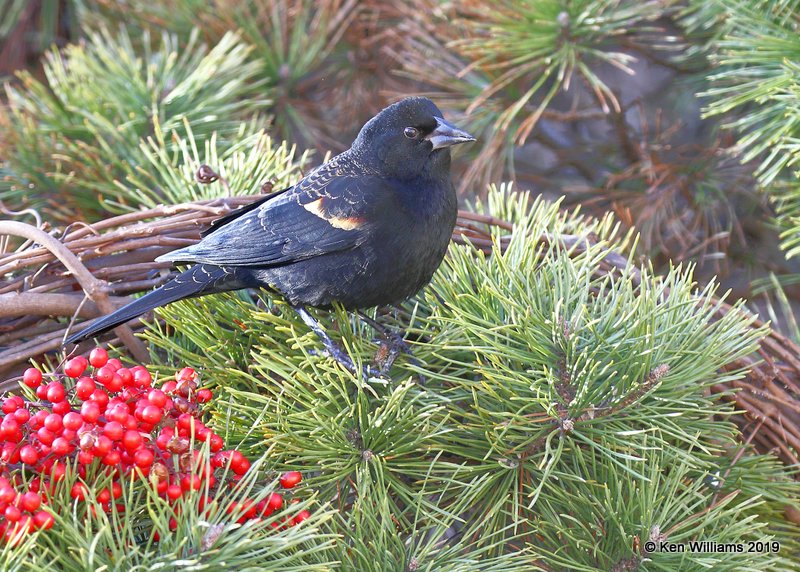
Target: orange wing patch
column 345, row 223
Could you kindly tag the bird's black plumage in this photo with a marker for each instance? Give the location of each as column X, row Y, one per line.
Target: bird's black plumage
column 367, row 228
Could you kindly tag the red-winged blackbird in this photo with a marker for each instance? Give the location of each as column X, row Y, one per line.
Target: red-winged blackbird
column 367, row 228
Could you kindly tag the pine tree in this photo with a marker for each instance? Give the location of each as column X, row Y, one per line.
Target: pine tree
column 555, row 412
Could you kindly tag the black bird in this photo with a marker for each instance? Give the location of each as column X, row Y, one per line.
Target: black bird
column 367, row 228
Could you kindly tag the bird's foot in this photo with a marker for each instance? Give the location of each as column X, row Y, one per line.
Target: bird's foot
column 391, row 345
column 331, row 348
column 345, row 361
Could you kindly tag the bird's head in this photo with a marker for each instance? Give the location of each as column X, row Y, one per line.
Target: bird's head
column 410, row 137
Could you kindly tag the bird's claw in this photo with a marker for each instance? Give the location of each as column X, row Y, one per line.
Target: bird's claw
column 345, row 361
column 389, row 349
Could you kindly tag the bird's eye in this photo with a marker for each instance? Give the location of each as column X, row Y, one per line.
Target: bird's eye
column 411, row 132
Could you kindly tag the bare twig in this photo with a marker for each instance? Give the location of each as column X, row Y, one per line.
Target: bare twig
column 50, row 304
column 94, row 288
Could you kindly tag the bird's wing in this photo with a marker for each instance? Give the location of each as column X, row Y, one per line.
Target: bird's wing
column 320, row 215
column 216, row 224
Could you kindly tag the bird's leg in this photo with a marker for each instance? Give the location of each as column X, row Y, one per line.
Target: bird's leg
column 331, row 347
column 393, row 341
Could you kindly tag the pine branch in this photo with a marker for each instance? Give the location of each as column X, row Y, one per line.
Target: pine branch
column 102, row 98
column 548, row 417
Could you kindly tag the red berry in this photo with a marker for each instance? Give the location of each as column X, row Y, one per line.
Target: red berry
column 41, row 392
column 151, row 414
column 54, row 422
column 216, row 443
column 161, row 486
column 9, row 426
column 291, row 479
column 186, row 374
column 75, row 367
column 100, row 397
column 221, row 459
column 115, row 383
column 301, row 516
column 116, row 489
column 43, row 520
column 143, row 458
column 113, row 430
column 22, row 416
column 112, row 458
column 60, row 446
column 30, row 501
column 185, row 421
column 239, row 463
column 28, row 455
column 78, row 491
column 98, row 357
column 90, row 411
column 204, row 395
column 62, row 407
column 249, row 508
column 157, row 397
column 13, row 514
column 10, row 453
column 274, row 502
column 132, row 440
column 45, row 436
column 72, row 420
column 126, row 375
column 164, row 437
column 32, row 377
column 104, row 496
column 10, row 405
column 174, row 492
column 102, row 445
column 55, row 392
column 118, row 413
column 104, row 374
column 84, row 388
column 191, row 482
column 169, row 387
column 115, row 363
column 37, row 419
column 141, row 377
column 232, row 507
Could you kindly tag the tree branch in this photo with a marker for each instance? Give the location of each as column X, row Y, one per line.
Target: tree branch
column 95, row 289
column 13, row 304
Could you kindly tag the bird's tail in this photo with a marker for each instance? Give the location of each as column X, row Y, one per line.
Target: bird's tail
column 198, row 280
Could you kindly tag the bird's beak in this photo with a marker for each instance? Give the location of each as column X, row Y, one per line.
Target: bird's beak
column 446, row 135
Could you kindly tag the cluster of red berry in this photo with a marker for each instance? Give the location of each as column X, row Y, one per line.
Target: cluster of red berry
column 112, row 421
